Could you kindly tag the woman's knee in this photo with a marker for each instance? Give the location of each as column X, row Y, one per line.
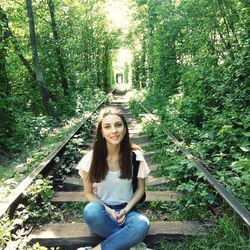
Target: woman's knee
column 143, row 223
column 92, row 210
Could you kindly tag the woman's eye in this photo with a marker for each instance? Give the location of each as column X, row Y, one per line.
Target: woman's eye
column 118, row 124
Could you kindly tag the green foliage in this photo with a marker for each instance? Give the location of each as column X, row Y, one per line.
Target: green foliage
column 87, row 47
column 230, row 166
column 196, row 59
column 17, row 240
column 29, row 129
column 196, row 50
column 182, row 176
column 39, row 208
column 226, row 235
column 8, row 240
column 69, row 212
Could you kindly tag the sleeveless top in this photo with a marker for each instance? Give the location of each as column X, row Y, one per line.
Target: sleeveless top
column 113, row 190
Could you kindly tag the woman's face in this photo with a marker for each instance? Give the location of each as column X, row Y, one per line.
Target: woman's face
column 113, row 129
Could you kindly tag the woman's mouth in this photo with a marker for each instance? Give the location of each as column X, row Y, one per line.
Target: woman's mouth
column 115, row 137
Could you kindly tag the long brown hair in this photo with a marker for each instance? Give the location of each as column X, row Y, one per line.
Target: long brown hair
column 99, row 166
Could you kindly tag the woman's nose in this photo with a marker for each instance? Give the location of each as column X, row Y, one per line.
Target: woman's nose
column 113, row 129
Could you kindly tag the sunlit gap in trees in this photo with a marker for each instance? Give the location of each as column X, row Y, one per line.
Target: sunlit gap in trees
column 119, row 13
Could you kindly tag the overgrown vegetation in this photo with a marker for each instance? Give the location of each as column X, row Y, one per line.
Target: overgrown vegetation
column 13, row 233
column 13, row 171
column 191, row 71
column 191, row 65
column 74, row 50
column 193, row 62
column 226, row 235
column 200, row 200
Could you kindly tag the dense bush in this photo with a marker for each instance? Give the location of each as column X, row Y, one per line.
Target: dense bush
column 75, row 54
column 195, row 55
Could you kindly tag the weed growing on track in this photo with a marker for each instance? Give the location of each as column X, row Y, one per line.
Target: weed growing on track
column 226, row 235
column 37, row 209
column 200, row 201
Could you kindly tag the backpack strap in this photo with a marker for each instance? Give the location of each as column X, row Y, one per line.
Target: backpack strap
column 135, row 169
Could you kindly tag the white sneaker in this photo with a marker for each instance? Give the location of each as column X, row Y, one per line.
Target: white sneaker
column 140, row 246
column 84, row 248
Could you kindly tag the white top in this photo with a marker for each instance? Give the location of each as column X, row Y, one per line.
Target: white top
column 113, row 190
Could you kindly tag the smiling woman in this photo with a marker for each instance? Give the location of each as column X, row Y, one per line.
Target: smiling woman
column 107, row 177
column 113, row 129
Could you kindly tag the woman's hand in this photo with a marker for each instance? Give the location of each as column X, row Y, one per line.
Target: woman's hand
column 117, row 216
column 121, row 215
column 112, row 212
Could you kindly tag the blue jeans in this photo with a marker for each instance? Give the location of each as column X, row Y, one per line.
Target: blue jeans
column 134, row 229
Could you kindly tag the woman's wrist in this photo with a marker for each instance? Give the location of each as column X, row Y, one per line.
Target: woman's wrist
column 108, row 209
column 126, row 210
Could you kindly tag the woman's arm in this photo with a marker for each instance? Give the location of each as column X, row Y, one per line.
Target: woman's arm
column 88, row 188
column 137, row 195
column 90, row 196
column 135, row 199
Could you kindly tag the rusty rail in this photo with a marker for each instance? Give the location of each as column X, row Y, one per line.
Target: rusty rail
column 224, row 193
column 45, row 166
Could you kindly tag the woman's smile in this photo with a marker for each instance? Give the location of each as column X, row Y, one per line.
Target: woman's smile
column 115, row 137
column 113, row 129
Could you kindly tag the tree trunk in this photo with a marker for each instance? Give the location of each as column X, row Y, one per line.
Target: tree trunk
column 62, row 74
column 229, row 45
column 4, row 82
column 106, row 60
column 20, row 55
column 7, row 120
column 16, row 46
column 39, row 75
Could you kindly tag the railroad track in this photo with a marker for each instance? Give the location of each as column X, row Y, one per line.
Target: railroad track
column 74, row 234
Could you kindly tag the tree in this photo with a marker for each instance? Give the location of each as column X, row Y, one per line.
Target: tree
column 5, row 86
column 72, row 50
column 17, row 49
column 39, row 75
column 62, row 71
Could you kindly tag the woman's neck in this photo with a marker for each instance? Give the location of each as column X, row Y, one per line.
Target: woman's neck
column 113, row 150
column 113, row 157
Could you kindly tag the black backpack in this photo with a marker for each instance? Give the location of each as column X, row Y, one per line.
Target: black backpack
column 135, row 168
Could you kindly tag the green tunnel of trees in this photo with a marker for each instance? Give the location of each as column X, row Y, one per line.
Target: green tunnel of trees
column 191, row 56
column 190, row 65
column 53, row 56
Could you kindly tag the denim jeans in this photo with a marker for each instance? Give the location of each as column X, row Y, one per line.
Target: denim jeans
column 134, row 229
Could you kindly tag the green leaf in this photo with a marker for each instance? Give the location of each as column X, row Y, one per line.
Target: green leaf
column 247, row 134
column 245, row 148
column 57, row 159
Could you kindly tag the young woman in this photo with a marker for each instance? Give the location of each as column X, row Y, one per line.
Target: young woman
column 107, row 177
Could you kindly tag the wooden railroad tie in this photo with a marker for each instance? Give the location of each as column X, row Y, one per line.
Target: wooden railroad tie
column 150, row 196
column 72, row 235
column 150, row 181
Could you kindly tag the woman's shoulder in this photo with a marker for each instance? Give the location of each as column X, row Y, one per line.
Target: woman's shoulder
column 86, row 160
column 139, row 154
column 143, row 167
column 89, row 153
